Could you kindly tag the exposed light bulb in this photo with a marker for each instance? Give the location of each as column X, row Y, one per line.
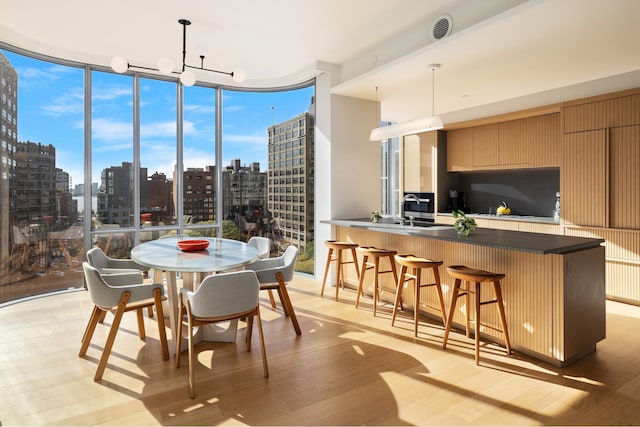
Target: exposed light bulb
column 119, row 64
column 187, row 78
column 165, row 65
column 239, row 75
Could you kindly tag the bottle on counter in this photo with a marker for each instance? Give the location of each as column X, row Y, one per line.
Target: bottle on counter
column 556, row 211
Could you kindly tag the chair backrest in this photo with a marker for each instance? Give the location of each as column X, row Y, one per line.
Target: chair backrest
column 97, row 258
column 226, row 294
column 262, row 244
column 100, row 292
column 289, row 262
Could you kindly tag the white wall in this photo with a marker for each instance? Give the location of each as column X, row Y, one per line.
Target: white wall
column 347, row 173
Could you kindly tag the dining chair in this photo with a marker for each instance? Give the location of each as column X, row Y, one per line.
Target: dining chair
column 220, row 297
column 119, row 293
column 246, row 227
column 263, row 246
column 274, row 274
column 107, row 265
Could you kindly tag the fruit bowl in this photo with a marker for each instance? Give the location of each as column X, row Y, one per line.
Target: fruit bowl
column 193, row 245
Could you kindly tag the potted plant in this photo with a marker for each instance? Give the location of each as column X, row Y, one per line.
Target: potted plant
column 375, row 216
column 463, row 225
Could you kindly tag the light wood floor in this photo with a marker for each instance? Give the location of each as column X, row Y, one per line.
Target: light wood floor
column 347, row 368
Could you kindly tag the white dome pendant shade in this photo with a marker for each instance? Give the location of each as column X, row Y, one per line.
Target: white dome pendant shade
column 433, row 122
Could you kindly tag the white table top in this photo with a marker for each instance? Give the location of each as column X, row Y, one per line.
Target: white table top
column 221, row 255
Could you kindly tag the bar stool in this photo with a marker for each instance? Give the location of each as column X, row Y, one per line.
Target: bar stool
column 338, row 247
column 465, row 274
column 375, row 254
column 417, row 264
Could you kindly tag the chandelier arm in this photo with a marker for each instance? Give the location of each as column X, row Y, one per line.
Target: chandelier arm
column 209, row 69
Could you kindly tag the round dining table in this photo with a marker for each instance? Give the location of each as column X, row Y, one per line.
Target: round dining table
column 164, row 255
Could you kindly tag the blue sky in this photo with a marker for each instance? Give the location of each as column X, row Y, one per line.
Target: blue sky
column 51, row 111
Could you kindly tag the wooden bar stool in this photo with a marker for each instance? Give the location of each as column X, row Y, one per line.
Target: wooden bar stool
column 465, row 274
column 417, row 264
column 338, row 247
column 375, row 254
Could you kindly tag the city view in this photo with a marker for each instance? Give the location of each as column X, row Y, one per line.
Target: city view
column 136, row 192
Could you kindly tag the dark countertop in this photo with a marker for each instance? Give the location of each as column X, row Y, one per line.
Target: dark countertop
column 503, row 239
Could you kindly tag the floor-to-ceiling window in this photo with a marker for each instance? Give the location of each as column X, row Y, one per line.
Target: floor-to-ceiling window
column 155, row 165
column 41, row 176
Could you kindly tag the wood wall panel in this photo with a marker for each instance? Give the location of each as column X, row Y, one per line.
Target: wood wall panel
column 486, row 148
column 622, row 252
column 602, row 114
column 624, row 196
column 532, row 282
column 460, row 150
column 583, row 179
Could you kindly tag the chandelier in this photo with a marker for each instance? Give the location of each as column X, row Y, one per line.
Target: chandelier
column 165, row 65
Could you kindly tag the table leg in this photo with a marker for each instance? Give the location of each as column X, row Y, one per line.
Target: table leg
column 172, row 296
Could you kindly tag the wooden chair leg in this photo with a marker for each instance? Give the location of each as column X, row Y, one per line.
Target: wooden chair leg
column 249, row 331
column 376, row 284
column 399, row 287
column 162, row 330
column 477, row 323
column 443, row 310
column 192, row 384
column 392, row 262
column 503, row 318
column 272, row 299
column 112, row 335
column 326, row 270
column 141, row 332
column 339, row 272
column 150, row 311
column 286, row 301
column 452, row 310
column 103, row 315
column 88, row 332
column 265, row 366
column 417, row 273
column 361, row 279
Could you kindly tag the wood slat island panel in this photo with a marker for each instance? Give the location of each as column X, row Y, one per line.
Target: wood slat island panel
column 554, row 302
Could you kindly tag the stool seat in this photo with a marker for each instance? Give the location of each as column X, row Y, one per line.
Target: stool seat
column 375, row 254
column 473, row 274
column 462, row 273
column 416, row 264
column 338, row 247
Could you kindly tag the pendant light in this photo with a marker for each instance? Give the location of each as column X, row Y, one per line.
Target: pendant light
column 433, row 122
column 165, row 65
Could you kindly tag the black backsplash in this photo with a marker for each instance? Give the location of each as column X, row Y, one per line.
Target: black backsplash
column 527, row 192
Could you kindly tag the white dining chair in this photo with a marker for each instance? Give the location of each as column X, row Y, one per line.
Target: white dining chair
column 263, row 246
column 220, row 297
column 119, row 293
column 274, row 274
column 107, row 265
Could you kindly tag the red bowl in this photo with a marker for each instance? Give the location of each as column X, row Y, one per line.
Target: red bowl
column 193, row 245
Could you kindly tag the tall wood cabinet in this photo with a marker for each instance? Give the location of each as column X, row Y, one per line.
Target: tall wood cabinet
column 419, row 162
column 532, row 142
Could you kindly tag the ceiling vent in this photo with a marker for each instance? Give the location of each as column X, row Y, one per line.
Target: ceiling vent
column 441, row 27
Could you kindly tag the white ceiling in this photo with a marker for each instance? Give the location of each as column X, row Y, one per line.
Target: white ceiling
column 502, row 55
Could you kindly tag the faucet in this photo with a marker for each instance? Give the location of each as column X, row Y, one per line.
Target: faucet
column 407, row 197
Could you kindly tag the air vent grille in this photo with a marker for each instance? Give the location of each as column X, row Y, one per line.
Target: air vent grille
column 441, row 28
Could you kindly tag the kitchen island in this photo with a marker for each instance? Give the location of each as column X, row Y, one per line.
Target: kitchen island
column 554, row 289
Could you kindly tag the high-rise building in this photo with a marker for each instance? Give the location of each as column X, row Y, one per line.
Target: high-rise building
column 9, row 138
column 199, row 189
column 291, row 178
column 35, row 185
column 115, row 197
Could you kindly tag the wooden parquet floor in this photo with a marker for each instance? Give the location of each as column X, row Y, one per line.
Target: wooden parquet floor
column 347, row 368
